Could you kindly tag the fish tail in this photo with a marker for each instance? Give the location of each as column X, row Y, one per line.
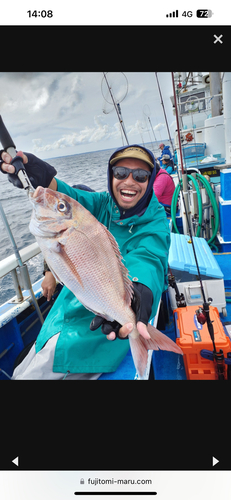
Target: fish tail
column 140, row 346
column 161, row 341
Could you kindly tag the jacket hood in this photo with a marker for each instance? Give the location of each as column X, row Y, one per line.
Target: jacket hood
column 143, row 203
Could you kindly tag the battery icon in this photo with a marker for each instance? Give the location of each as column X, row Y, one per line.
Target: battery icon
column 204, row 13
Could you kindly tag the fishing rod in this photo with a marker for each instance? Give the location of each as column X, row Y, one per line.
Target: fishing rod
column 202, row 313
column 165, row 116
column 10, row 148
column 20, row 171
column 118, row 110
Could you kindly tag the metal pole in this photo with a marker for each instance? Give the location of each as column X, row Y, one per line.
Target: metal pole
column 215, row 88
column 15, row 248
column 187, row 215
column 178, row 126
column 17, row 285
column 23, row 271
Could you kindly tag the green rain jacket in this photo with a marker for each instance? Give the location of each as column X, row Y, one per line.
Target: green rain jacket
column 144, row 244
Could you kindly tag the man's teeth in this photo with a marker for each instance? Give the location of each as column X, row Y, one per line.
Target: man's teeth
column 123, row 191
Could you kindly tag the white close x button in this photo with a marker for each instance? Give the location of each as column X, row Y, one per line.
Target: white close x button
column 218, row 38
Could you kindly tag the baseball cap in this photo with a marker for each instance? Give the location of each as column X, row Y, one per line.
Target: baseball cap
column 165, row 157
column 132, row 152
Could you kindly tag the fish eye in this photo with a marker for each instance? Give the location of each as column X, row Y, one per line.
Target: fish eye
column 62, row 206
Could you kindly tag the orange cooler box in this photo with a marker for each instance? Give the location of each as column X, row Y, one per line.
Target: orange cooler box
column 192, row 337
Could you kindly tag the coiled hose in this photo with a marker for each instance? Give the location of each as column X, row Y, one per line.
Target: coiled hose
column 212, row 198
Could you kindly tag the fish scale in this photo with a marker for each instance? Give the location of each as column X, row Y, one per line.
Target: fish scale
column 84, row 256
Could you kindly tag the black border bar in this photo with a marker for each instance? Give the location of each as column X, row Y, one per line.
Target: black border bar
column 187, row 46
column 115, row 493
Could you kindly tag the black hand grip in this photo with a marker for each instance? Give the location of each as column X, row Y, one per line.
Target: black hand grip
column 18, row 164
column 6, row 140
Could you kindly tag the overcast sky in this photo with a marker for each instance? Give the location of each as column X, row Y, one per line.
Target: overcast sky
column 58, row 114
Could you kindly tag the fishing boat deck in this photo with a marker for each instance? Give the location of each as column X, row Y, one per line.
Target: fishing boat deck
column 164, row 365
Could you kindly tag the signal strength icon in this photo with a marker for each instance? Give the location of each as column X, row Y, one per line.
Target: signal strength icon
column 173, row 14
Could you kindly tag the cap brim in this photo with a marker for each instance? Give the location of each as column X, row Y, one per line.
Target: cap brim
column 122, row 157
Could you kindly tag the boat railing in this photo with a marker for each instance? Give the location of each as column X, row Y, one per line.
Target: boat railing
column 10, row 263
column 21, row 280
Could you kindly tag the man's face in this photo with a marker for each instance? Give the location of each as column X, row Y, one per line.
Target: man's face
column 128, row 192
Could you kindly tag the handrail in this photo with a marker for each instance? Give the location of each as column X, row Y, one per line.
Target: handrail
column 10, row 263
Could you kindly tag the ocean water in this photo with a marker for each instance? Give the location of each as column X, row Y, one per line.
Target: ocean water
column 87, row 168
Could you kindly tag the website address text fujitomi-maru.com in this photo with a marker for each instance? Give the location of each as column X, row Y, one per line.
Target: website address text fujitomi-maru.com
column 118, row 481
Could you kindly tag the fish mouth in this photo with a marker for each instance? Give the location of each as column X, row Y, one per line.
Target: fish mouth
column 39, row 200
column 38, row 196
column 40, row 228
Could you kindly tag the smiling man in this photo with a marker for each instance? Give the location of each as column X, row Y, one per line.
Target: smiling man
column 71, row 341
column 131, row 188
column 127, row 186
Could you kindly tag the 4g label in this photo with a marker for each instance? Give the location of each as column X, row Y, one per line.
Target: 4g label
column 187, row 13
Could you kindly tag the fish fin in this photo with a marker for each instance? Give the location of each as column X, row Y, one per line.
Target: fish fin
column 70, row 264
column 128, row 286
column 140, row 346
column 65, row 235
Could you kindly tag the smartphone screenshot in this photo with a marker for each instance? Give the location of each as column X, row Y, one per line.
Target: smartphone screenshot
column 82, row 79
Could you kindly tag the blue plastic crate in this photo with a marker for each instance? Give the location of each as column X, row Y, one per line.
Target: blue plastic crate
column 194, row 149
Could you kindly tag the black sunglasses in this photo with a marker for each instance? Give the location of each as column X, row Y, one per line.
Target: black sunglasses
column 139, row 175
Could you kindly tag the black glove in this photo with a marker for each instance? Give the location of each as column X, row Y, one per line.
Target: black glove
column 106, row 326
column 39, row 172
column 141, row 304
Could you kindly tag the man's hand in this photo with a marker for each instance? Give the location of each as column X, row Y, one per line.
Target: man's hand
column 111, row 329
column 6, row 158
column 48, row 285
column 141, row 305
column 127, row 328
column 39, row 171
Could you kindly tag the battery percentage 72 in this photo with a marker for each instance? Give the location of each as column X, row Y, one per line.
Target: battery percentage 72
column 204, row 13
